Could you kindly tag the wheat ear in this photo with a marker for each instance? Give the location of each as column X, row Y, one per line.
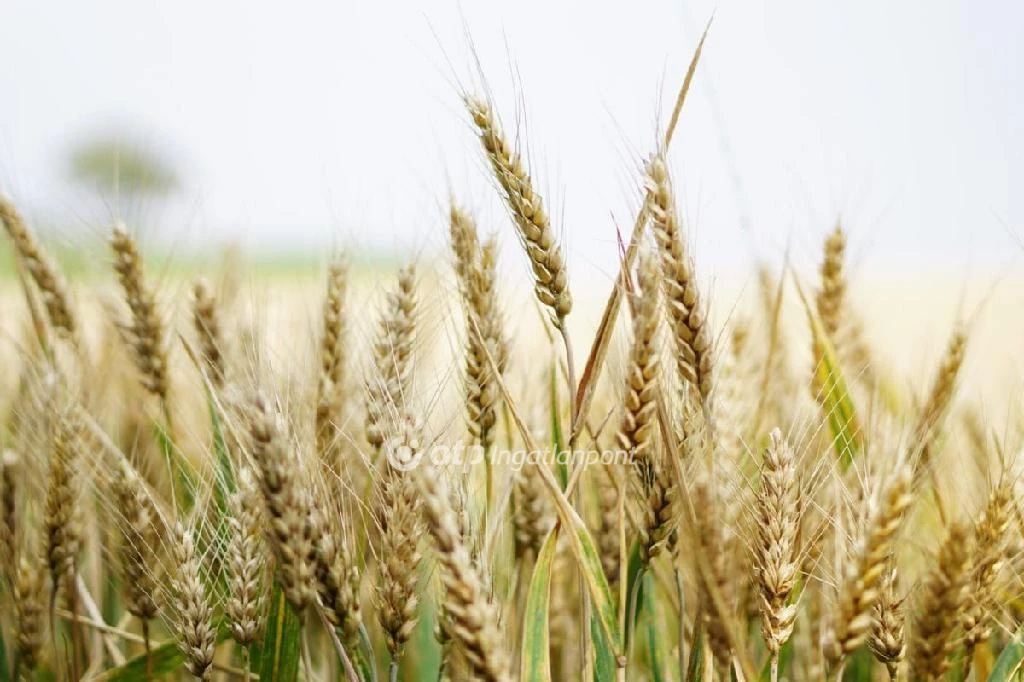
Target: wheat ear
column 338, row 581
column 473, row 617
column 940, row 396
column 29, row 613
column 9, row 465
column 194, row 627
column 531, row 517
column 551, row 279
column 475, row 269
column 945, row 592
column 392, row 358
column 287, row 504
column 54, row 290
column 400, row 553
column 990, row 554
column 776, row 554
column 245, row 573
column 138, row 542
column 690, row 332
column 330, row 399
column 144, row 333
column 62, row 517
column 206, row 320
column 860, row 590
column 832, row 295
column 888, row 640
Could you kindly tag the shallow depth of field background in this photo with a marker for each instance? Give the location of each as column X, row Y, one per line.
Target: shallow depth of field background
column 288, row 132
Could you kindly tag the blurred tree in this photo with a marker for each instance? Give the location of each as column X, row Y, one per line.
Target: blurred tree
column 110, row 163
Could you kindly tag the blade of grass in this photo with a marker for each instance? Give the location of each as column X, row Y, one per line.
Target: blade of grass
column 561, row 462
column 693, row 673
column 604, row 657
column 835, row 397
column 181, row 468
column 599, row 349
column 656, row 658
column 580, row 540
column 279, row 654
column 535, row 665
column 164, row 659
column 1009, row 662
column 5, row 672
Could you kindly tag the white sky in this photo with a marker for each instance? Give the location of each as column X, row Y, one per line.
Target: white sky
column 306, row 124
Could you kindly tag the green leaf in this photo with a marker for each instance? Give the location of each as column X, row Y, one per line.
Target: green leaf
column 185, row 487
column 582, row 542
column 423, row 652
column 656, row 656
column 5, row 672
column 558, row 441
column 634, row 573
column 832, row 392
column 696, row 663
column 597, row 583
column 225, row 483
column 535, row 663
column 1009, row 661
column 604, row 657
column 164, row 659
column 279, row 655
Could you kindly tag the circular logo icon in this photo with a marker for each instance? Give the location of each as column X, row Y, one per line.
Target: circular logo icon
column 401, row 456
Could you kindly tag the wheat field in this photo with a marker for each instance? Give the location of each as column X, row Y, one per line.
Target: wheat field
column 450, row 480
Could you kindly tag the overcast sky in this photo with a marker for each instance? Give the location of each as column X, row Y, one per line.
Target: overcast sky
column 305, row 124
